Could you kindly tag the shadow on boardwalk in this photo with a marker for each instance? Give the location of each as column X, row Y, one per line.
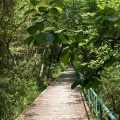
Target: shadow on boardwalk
column 58, row 101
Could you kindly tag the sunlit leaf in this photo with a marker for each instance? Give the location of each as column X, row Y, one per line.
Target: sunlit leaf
column 65, row 55
column 63, row 38
column 60, row 30
column 79, row 36
column 29, row 11
column 82, row 43
column 22, row 7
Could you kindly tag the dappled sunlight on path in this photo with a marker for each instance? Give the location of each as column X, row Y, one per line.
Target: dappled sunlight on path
column 58, row 101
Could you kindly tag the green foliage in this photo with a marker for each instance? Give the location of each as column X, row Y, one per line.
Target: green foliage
column 20, row 64
column 100, row 51
column 84, row 33
column 79, row 36
column 29, row 40
column 40, row 38
column 73, row 57
column 110, row 86
column 65, row 55
column 40, row 26
column 76, row 83
column 34, row 2
column 32, row 30
column 29, row 11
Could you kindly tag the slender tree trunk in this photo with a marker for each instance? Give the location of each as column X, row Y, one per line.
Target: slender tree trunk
column 49, row 69
column 10, row 54
column 58, row 59
column 50, row 62
column 43, row 61
column 85, row 54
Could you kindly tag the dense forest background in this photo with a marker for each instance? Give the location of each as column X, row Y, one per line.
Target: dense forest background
column 39, row 38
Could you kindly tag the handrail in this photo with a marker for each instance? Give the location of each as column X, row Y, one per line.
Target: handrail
column 95, row 104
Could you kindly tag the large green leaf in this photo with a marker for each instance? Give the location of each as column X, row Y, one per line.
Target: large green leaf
column 95, row 83
column 87, row 86
column 49, row 37
column 40, row 38
column 40, row 26
column 64, row 38
column 59, row 3
column 75, row 84
column 32, row 30
column 34, row 2
column 56, row 39
column 55, row 11
column 29, row 40
column 111, row 61
column 73, row 57
column 87, row 83
column 75, row 44
column 65, row 55
column 42, row 8
column 79, row 36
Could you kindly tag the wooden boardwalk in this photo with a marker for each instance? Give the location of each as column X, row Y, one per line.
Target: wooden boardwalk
column 58, row 101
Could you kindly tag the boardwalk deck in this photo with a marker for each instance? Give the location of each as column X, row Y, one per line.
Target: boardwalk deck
column 58, row 101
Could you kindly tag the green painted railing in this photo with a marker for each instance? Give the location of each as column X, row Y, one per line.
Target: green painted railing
column 96, row 105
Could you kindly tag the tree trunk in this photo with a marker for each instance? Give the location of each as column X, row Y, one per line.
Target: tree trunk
column 43, row 61
column 50, row 62
column 58, row 59
column 10, row 54
column 85, row 55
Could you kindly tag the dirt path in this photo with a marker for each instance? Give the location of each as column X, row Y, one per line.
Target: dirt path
column 58, row 101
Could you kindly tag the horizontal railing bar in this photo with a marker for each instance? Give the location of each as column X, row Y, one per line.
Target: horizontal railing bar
column 80, row 77
column 103, row 105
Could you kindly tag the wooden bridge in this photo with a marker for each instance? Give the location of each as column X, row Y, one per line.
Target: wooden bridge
column 59, row 102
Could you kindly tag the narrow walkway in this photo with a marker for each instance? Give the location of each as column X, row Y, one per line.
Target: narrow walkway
column 58, row 101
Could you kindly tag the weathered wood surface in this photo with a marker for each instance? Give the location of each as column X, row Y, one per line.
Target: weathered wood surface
column 58, row 101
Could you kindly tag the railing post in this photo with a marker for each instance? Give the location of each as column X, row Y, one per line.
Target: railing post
column 95, row 102
column 96, row 108
column 88, row 96
column 101, row 112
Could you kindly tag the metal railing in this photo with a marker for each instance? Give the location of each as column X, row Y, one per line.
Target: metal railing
column 96, row 105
